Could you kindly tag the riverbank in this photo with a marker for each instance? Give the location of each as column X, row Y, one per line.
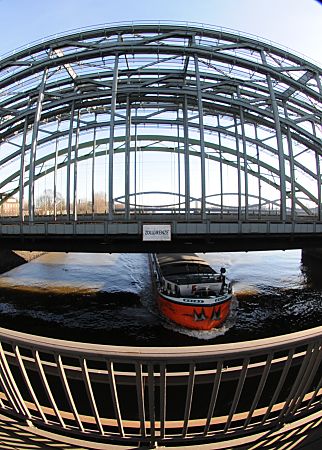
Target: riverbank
column 9, row 259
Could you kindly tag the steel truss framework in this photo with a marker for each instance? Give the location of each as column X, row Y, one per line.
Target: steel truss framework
column 159, row 118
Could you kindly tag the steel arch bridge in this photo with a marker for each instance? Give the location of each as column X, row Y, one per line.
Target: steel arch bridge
column 211, row 131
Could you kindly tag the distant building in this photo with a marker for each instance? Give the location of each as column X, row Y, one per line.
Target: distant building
column 10, row 208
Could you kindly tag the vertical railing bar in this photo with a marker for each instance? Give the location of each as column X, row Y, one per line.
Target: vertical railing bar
column 3, row 388
column 47, row 388
column 191, row 383
column 12, row 384
column 260, row 388
column 320, row 401
column 214, row 395
column 163, row 399
column 311, row 376
column 314, row 395
column 68, row 391
column 140, row 397
column 6, row 386
column 90, row 394
column 115, row 400
column 28, row 383
column 237, row 393
column 306, row 379
column 151, row 401
column 297, row 382
column 280, row 384
column 318, row 387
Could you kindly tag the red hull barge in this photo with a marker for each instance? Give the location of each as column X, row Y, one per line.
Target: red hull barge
column 189, row 292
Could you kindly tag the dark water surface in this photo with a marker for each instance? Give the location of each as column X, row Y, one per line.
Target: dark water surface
column 108, row 299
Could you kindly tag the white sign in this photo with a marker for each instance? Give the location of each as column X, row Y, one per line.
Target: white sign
column 156, row 232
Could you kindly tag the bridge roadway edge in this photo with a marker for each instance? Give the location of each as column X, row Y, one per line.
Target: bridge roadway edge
column 131, row 244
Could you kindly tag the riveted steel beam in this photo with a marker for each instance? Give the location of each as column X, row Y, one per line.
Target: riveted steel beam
column 279, row 140
column 202, row 139
column 33, row 147
column 111, row 141
column 230, row 88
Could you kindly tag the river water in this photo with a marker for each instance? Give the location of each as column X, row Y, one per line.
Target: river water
column 108, row 299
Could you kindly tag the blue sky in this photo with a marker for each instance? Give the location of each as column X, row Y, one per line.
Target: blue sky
column 296, row 24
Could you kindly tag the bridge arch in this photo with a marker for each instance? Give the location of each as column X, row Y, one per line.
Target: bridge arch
column 124, row 110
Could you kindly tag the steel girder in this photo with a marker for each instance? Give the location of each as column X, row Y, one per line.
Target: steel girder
column 240, row 118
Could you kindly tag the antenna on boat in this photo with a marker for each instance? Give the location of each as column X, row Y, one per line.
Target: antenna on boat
column 223, row 279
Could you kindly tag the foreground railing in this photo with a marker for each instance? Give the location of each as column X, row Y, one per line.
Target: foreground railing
column 160, row 395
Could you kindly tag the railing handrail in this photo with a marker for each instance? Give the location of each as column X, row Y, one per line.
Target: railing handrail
column 205, row 352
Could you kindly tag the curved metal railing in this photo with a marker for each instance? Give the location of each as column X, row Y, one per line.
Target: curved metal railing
column 159, row 395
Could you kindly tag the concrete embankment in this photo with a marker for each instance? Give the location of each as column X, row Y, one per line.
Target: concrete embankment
column 10, row 259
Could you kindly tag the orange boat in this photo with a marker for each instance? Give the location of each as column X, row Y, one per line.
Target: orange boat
column 190, row 292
